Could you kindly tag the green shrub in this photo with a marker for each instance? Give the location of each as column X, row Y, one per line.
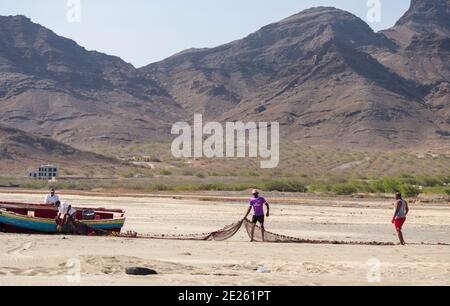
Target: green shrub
column 188, row 173
column 129, row 174
column 284, row 186
column 35, row 185
column 158, row 187
column 344, row 189
column 361, row 186
column 409, row 190
column 390, row 185
column 166, row 172
column 377, row 186
column 319, row 187
column 429, row 181
column 251, row 173
column 154, row 159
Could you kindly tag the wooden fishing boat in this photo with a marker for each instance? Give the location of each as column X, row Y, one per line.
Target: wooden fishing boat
column 40, row 219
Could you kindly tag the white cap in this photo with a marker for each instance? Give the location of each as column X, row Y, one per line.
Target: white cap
column 254, row 191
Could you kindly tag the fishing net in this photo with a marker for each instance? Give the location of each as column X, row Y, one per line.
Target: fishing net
column 78, row 228
column 276, row 238
column 227, row 232
column 231, row 230
column 220, row 235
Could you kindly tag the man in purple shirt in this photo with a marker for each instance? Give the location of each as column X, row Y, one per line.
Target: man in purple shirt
column 257, row 203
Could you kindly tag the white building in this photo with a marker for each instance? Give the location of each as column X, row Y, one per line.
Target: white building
column 45, row 172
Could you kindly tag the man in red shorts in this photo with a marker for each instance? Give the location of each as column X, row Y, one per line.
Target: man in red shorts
column 400, row 214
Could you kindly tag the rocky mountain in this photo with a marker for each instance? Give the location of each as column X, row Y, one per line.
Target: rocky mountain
column 324, row 74
column 20, row 150
column 51, row 86
column 422, row 36
column 212, row 81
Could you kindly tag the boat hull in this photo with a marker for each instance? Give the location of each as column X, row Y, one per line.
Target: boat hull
column 15, row 223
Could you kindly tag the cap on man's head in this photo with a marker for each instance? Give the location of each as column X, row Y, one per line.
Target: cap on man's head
column 255, row 191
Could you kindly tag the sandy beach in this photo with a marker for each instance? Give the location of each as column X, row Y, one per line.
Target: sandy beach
column 70, row 260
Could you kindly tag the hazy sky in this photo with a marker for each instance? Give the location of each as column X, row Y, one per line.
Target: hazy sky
column 145, row 31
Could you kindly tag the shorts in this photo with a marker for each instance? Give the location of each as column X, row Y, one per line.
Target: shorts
column 257, row 219
column 399, row 223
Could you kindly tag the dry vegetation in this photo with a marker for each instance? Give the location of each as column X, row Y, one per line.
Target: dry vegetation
column 297, row 162
column 302, row 169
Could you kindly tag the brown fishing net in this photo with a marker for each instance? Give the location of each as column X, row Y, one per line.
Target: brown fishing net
column 231, row 230
column 75, row 227
column 220, row 235
column 276, row 238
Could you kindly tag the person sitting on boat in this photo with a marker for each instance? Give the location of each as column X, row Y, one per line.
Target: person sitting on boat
column 66, row 214
column 51, row 198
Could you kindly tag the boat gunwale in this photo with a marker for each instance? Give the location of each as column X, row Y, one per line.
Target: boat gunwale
column 33, row 207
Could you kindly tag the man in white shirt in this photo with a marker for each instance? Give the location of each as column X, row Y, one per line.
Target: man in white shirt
column 51, row 198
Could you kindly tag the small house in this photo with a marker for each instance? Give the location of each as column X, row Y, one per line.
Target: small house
column 44, row 172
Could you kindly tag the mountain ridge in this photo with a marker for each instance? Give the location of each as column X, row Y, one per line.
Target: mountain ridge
column 20, row 151
column 323, row 73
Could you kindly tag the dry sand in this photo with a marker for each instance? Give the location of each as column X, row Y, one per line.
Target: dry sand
column 55, row 260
